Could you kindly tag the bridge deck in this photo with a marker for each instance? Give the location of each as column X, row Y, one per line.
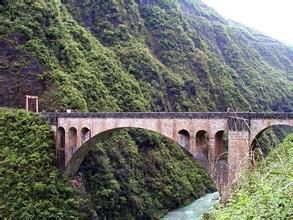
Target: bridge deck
column 171, row 115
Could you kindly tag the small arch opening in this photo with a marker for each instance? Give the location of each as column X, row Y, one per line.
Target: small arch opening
column 60, row 148
column 85, row 135
column 221, row 145
column 184, row 139
column 72, row 140
column 220, row 158
column 202, row 148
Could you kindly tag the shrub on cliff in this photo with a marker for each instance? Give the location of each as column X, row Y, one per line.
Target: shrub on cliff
column 266, row 192
column 30, row 185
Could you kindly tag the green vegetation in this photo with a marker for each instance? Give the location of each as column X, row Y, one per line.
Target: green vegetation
column 189, row 55
column 147, row 55
column 130, row 174
column 76, row 71
column 265, row 192
column 31, row 186
column 135, row 175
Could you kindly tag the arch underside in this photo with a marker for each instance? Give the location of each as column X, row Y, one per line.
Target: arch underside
column 184, row 139
column 78, row 157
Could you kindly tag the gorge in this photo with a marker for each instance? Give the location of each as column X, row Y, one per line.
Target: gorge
column 125, row 56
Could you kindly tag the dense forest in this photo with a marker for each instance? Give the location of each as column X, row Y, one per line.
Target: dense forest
column 152, row 55
column 123, row 55
column 31, row 186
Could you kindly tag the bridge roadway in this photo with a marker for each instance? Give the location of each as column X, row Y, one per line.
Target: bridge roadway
column 200, row 133
column 201, row 115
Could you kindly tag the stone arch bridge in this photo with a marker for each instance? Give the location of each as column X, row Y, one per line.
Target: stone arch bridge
column 202, row 134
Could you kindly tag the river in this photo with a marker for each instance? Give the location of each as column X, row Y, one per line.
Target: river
column 195, row 210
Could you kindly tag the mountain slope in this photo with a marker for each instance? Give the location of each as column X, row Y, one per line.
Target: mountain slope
column 221, row 63
column 139, row 56
column 47, row 53
column 144, row 55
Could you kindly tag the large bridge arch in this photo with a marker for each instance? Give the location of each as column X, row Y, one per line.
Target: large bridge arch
column 254, row 142
column 77, row 158
column 259, row 126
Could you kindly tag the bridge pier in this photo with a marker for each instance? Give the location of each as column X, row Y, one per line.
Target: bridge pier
column 238, row 152
column 212, row 155
column 67, row 149
column 192, row 148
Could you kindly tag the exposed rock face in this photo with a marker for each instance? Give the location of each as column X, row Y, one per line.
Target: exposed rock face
column 20, row 73
column 78, row 182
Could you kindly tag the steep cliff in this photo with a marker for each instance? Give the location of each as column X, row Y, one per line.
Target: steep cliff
column 139, row 56
column 216, row 63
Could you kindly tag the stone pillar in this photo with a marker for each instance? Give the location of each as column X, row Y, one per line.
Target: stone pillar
column 192, row 144
column 238, row 152
column 212, row 155
column 67, row 148
column 79, row 140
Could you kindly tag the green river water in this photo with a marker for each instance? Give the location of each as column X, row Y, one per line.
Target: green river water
column 195, row 210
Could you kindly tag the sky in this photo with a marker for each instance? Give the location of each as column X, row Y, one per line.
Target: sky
column 271, row 17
